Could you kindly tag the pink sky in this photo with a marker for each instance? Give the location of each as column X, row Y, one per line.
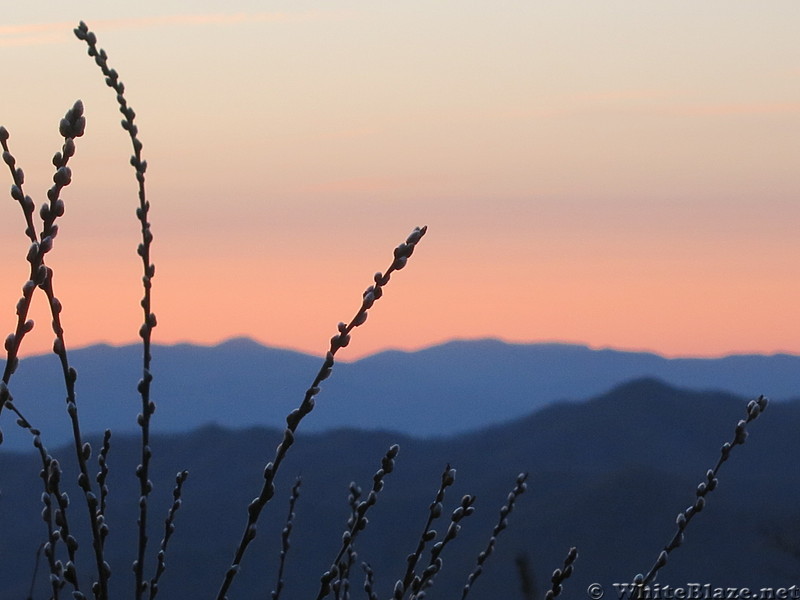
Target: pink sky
column 620, row 174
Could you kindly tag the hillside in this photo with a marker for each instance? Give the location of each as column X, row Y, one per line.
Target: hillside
column 608, row 475
column 440, row 391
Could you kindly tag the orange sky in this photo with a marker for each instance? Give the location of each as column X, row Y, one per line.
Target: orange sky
column 619, row 174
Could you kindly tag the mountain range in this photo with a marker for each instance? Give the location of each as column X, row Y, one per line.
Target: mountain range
column 608, row 475
column 444, row 390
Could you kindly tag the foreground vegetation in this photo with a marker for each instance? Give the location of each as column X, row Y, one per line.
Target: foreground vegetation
column 88, row 573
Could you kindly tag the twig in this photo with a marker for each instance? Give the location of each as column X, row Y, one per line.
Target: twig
column 338, row 341
column 56, row 568
column 358, row 521
column 341, row 585
column 420, row 583
column 36, row 562
column 369, row 581
column 505, row 511
column 428, row 534
column 102, row 475
column 285, row 535
column 754, row 409
column 562, row 574
column 71, row 127
column 169, row 529
column 148, row 406
column 57, row 524
column 53, row 535
column 35, row 257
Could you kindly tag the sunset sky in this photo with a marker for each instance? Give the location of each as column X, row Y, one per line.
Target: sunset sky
column 621, row 174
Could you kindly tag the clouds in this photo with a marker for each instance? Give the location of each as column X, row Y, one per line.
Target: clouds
column 34, row 34
column 37, row 34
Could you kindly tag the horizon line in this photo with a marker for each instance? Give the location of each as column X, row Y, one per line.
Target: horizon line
column 421, row 348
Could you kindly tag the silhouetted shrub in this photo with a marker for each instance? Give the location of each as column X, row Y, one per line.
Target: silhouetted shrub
column 59, row 511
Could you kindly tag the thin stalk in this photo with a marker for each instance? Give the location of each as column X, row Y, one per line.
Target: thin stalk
column 71, row 127
column 357, row 522
column 428, row 534
column 149, row 322
column 425, row 580
column 519, row 488
column 561, row 575
column 169, row 529
column 754, row 410
column 285, row 537
column 338, row 341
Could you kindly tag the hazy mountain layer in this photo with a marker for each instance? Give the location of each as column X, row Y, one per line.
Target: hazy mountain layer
column 608, row 476
column 440, row 391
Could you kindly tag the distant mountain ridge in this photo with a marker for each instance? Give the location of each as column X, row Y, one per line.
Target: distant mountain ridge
column 443, row 390
column 608, row 475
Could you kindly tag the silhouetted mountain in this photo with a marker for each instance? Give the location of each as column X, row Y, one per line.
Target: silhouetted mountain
column 607, row 475
column 440, row 391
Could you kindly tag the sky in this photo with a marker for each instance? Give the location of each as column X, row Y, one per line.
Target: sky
column 618, row 174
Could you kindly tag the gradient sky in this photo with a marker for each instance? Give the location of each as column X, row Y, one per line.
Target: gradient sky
column 617, row 173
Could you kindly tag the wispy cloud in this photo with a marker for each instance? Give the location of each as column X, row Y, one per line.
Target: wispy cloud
column 723, row 110
column 365, row 184
column 34, row 34
column 643, row 103
column 348, row 134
